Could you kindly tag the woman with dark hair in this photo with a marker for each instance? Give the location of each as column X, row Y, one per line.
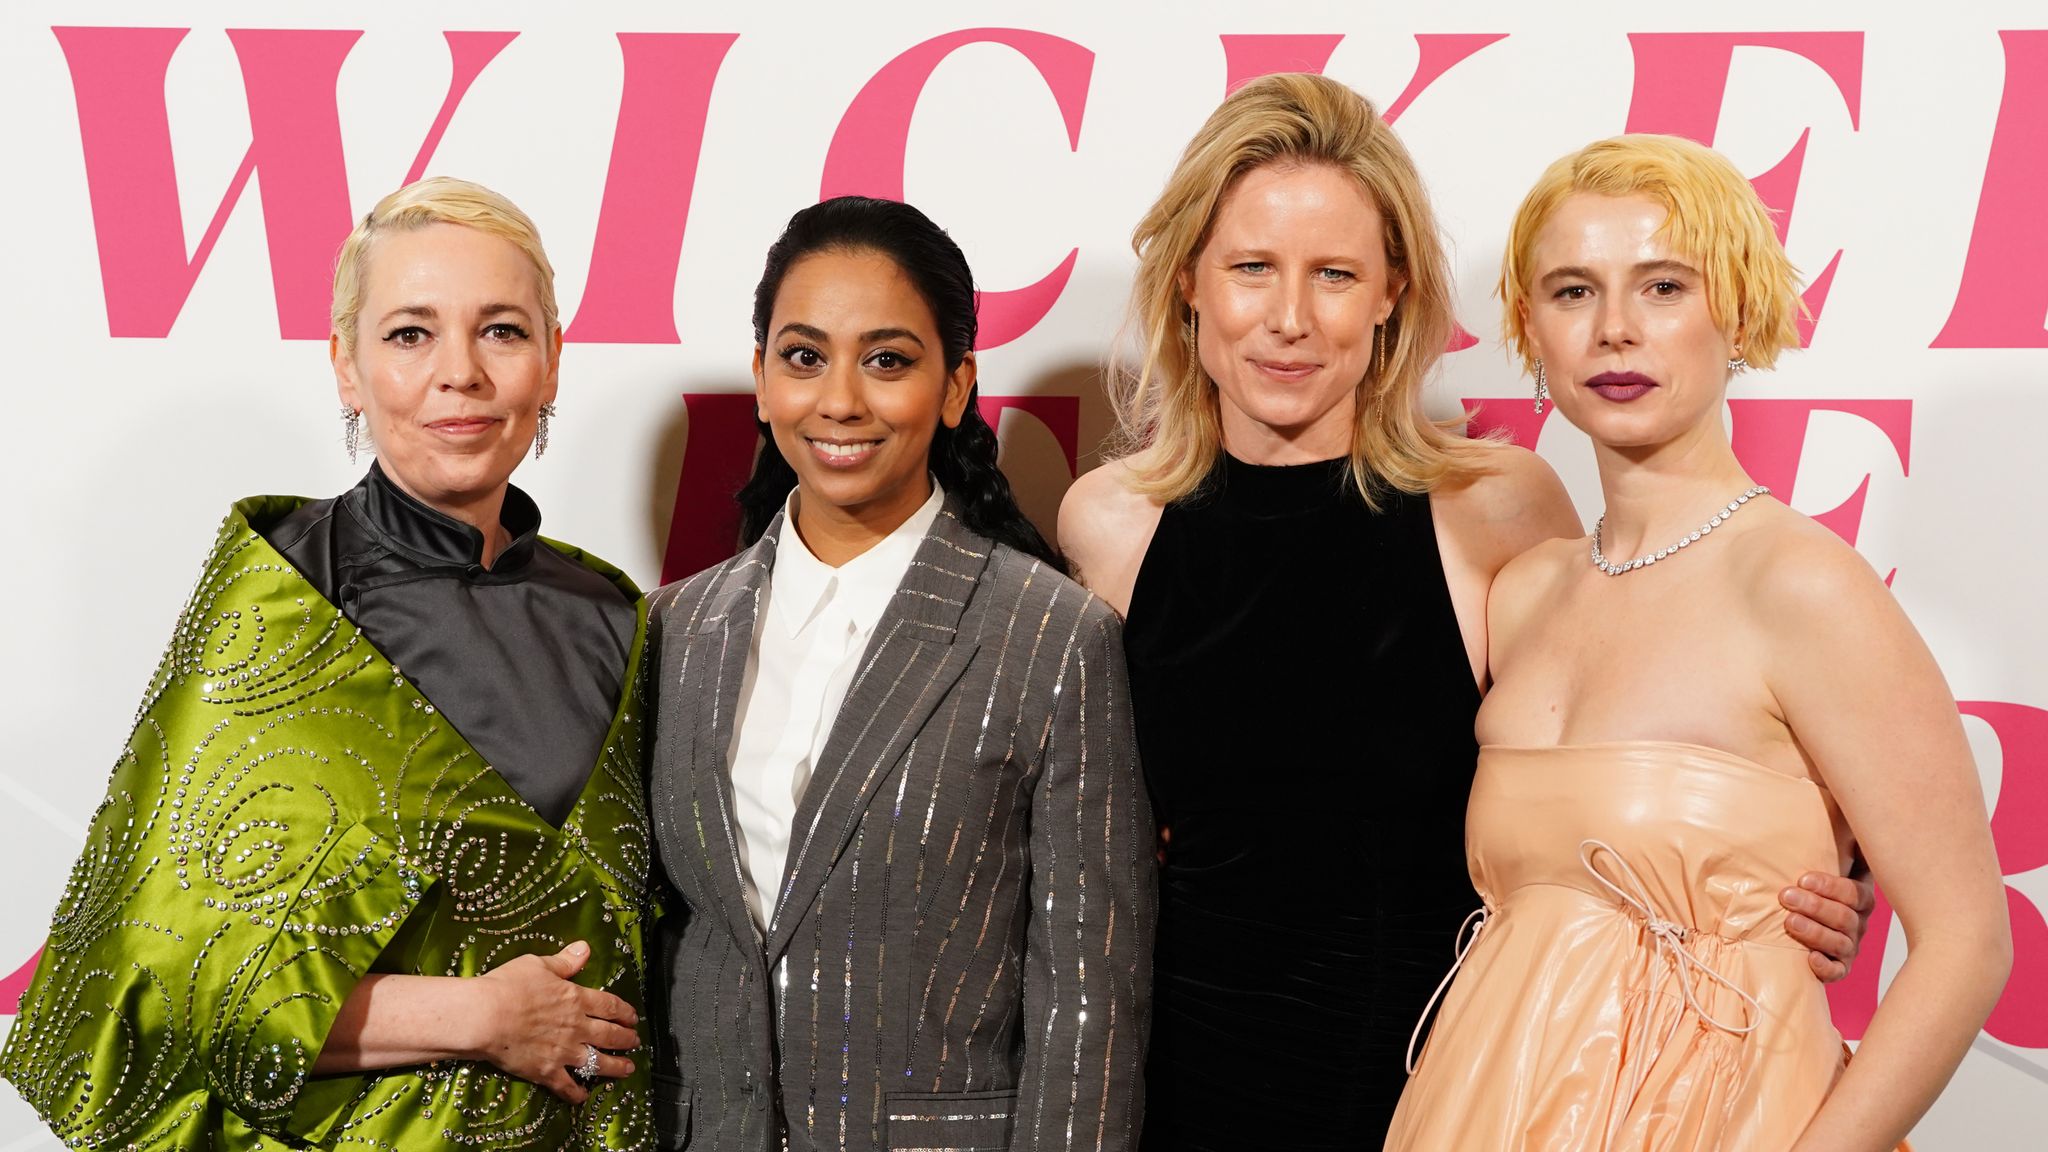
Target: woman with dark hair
column 894, row 781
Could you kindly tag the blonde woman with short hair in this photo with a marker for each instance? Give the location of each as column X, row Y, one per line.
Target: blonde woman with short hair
column 1303, row 557
column 1711, row 693
column 372, row 869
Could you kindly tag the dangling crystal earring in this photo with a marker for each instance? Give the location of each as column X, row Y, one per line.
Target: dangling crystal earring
column 1542, row 387
column 351, row 430
column 1192, row 329
column 540, row 430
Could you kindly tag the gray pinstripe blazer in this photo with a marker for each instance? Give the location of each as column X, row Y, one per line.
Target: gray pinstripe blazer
column 960, row 955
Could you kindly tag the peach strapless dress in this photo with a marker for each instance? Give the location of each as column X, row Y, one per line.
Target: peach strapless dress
column 1629, row 984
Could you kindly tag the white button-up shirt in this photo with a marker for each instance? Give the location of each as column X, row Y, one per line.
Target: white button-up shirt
column 809, row 636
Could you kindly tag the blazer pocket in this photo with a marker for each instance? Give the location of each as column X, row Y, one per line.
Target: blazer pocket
column 671, row 1114
column 949, row 1121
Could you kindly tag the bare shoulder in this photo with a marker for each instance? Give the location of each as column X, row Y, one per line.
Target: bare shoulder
column 1540, row 566
column 1794, row 571
column 1509, row 482
column 1105, row 524
column 1509, row 504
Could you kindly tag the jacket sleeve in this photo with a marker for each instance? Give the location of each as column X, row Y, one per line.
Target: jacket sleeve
column 240, row 876
column 202, row 948
column 1088, row 951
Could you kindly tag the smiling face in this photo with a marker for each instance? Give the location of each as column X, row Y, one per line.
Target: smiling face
column 853, row 384
column 1630, row 348
column 1288, row 288
column 451, row 362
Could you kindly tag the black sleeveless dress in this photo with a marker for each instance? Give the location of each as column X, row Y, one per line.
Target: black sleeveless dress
column 1304, row 711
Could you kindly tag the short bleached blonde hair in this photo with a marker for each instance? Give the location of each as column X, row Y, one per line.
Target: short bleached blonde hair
column 1169, row 411
column 435, row 200
column 1715, row 222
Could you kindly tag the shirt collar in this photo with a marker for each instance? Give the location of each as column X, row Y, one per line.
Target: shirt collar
column 863, row 586
column 433, row 538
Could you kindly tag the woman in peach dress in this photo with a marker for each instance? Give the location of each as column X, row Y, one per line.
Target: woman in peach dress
column 1712, row 693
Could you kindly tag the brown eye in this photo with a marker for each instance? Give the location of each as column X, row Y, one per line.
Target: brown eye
column 408, row 337
column 802, row 356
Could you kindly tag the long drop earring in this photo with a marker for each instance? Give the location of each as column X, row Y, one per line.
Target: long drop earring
column 1542, row 387
column 351, row 430
column 1379, row 351
column 1192, row 329
column 540, row 430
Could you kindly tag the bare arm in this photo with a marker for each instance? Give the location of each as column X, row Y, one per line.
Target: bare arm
column 1863, row 696
column 527, row 1017
column 1485, row 520
column 1104, row 528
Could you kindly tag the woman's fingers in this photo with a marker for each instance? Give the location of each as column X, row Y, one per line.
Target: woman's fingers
column 603, row 1005
column 616, row 1037
column 558, row 1080
column 569, row 961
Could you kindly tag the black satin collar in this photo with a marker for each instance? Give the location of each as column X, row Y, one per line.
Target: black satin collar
column 433, row 538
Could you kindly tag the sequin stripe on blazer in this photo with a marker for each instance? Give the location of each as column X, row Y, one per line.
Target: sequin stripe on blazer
column 961, row 947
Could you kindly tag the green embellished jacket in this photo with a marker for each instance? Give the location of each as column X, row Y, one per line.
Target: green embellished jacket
column 289, row 814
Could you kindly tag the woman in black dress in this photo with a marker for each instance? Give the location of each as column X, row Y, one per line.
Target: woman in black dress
column 1303, row 558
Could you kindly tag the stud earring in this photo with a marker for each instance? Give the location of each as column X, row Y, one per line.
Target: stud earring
column 540, row 431
column 1740, row 363
column 351, row 430
column 1542, row 387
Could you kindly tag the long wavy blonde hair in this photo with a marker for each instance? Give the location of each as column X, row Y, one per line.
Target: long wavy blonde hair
column 1168, row 413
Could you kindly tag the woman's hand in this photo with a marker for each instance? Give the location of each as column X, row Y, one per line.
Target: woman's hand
column 1829, row 914
column 535, row 1022
column 528, row 1018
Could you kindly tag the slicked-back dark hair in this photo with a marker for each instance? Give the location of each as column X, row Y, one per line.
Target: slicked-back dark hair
column 963, row 458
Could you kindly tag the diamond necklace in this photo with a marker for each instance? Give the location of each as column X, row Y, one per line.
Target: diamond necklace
column 1600, row 561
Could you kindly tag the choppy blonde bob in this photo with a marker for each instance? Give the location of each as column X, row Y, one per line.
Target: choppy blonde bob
column 1715, row 222
column 436, row 200
column 1167, row 410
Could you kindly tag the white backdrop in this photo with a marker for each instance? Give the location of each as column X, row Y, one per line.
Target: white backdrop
column 155, row 377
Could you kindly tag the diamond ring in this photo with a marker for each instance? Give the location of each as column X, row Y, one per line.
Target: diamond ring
column 587, row 1069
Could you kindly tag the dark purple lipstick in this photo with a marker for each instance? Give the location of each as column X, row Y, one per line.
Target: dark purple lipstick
column 1621, row 387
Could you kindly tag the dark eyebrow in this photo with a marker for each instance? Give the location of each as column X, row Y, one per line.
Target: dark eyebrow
column 877, row 335
column 806, row 331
